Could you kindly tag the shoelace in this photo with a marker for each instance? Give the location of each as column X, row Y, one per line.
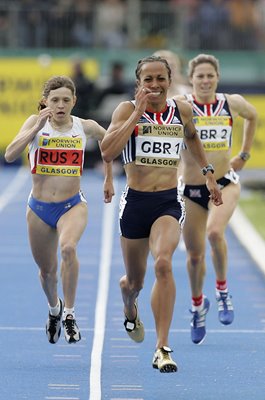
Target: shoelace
column 69, row 324
column 54, row 319
column 166, row 353
column 198, row 318
column 224, row 303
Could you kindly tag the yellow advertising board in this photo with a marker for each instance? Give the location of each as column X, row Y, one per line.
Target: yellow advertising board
column 21, row 84
column 257, row 159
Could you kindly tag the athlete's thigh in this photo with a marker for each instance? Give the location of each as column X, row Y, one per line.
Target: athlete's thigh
column 72, row 224
column 194, row 229
column 43, row 240
column 135, row 253
column 219, row 216
column 165, row 235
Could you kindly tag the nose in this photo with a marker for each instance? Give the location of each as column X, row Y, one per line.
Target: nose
column 155, row 84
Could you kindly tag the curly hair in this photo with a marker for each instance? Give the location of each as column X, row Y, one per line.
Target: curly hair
column 54, row 83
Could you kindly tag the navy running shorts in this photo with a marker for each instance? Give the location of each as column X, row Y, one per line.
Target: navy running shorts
column 139, row 210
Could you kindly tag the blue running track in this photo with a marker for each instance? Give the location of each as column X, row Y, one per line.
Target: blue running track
column 106, row 364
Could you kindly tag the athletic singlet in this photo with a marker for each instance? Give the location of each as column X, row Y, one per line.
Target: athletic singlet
column 213, row 123
column 157, row 139
column 58, row 154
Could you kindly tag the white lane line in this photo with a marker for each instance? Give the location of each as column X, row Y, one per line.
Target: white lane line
column 61, row 398
column 14, row 187
column 102, row 297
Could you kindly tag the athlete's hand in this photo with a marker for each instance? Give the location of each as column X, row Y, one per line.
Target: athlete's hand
column 215, row 192
column 44, row 114
column 141, row 98
column 108, row 191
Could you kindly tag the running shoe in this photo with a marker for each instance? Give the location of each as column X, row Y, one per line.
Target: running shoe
column 53, row 325
column 135, row 328
column 71, row 330
column 162, row 360
column 198, row 329
column 225, row 308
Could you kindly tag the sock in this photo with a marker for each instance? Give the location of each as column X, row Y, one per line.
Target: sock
column 197, row 303
column 54, row 310
column 221, row 286
column 68, row 311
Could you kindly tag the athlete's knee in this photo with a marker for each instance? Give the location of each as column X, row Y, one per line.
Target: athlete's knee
column 47, row 274
column 214, row 236
column 68, row 251
column 195, row 259
column 163, row 267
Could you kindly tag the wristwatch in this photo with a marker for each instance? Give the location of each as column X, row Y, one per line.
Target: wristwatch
column 244, row 155
column 208, row 167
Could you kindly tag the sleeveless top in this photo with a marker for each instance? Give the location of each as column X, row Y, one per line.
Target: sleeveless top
column 213, row 122
column 157, row 138
column 58, row 153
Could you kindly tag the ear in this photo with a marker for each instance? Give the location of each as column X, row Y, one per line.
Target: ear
column 74, row 100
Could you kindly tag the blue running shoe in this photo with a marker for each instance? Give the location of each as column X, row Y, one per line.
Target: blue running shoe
column 198, row 330
column 225, row 308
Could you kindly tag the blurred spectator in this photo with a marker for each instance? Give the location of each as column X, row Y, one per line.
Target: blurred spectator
column 244, row 20
column 206, row 25
column 82, row 30
column 186, row 24
column 60, row 24
column 110, row 24
column 116, row 83
column 4, row 28
column 85, row 91
column 179, row 83
column 32, row 26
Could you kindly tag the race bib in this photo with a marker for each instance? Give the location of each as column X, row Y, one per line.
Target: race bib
column 214, row 131
column 158, row 145
column 60, row 156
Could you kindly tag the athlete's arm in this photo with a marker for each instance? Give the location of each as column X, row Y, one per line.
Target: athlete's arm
column 96, row 131
column 123, row 122
column 241, row 107
column 26, row 134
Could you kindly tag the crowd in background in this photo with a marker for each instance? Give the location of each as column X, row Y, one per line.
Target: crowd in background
column 188, row 24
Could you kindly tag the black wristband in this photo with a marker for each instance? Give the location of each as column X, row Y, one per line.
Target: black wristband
column 244, row 155
column 208, row 167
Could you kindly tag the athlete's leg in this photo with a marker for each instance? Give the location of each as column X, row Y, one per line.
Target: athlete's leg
column 44, row 241
column 164, row 238
column 216, row 225
column 135, row 253
column 70, row 227
column 194, row 237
